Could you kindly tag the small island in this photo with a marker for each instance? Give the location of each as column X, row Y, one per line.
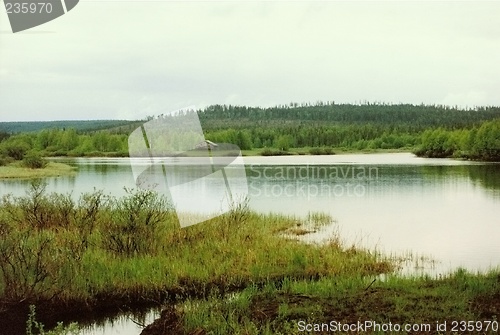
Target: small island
column 27, row 165
column 19, row 171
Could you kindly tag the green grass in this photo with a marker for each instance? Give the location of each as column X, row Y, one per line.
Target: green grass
column 277, row 308
column 105, row 249
column 17, row 170
column 239, row 273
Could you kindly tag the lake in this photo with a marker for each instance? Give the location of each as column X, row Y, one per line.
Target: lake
column 443, row 211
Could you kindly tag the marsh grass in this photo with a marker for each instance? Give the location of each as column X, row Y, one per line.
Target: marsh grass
column 277, row 307
column 410, row 263
column 316, row 228
column 101, row 248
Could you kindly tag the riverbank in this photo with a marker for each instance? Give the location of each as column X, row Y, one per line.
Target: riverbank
column 241, row 272
column 309, row 151
column 52, row 169
column 71, row 259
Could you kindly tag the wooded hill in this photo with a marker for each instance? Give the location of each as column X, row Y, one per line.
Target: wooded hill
column 411, row 117
column 79, row 125
column 358, row 127
column 429, row 130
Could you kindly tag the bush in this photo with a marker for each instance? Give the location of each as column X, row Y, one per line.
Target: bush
column 270, row 152
column 134, row 224
column 5, row 160
column 34, row 160
column 35, row 210
column 40, row 249
column 16, row 150
column 33, row 264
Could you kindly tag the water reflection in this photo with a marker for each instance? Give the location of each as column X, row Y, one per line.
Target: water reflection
column 124, row 324
column 488, row 176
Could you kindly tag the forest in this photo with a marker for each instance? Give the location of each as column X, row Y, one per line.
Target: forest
column 80, row 125
column 427, row 130
column 478, row 143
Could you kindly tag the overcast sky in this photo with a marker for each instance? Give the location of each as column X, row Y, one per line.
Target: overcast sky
column 129, row 59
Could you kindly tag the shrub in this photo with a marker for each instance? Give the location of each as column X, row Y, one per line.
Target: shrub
column 39, row 248
column 270, row 152
column 33, row 210
column 34, row 160
column 134, row 223
column 16, row 150
column 37, row 210
column 4, row 160
column 35, row 265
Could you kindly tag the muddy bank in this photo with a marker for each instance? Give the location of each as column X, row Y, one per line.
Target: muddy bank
column 280, row 312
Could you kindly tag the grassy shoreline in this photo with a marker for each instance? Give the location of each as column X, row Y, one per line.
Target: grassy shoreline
column 236, row 273
column 104, row 252
column 18, row 171
column 289, row 306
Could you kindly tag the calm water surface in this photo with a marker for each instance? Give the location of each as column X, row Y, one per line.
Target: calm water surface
column 442, row 209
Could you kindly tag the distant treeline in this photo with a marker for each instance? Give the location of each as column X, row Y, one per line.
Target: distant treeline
column 368, row 126
column 79, row 125
column 434, row 131
column 411, row 117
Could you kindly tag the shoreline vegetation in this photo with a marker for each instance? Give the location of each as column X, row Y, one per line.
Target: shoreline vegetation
column 20, row 170
column 317, row 129
column 52, row 169
column 16, row 169
column 239, row 273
